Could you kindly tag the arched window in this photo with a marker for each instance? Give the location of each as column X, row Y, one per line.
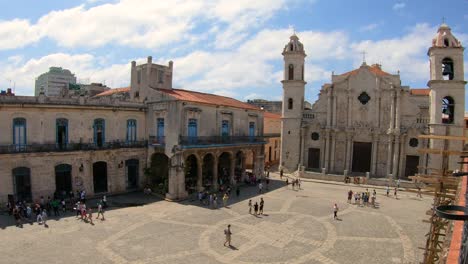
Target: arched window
column 446, row 42
column 131, row 130
column 447, row 69
column 448, row 110
column 291, row 72
column 99, row 132
column 61, row 132
column 291, row 47
column 19, row 133
column 290, row 103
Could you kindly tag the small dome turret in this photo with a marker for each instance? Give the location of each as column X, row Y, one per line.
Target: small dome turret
column 294, row 45
column 445, row 39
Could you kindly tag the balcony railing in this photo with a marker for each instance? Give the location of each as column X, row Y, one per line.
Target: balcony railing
column 221, row 140
column 8, row 149
column 157, row 140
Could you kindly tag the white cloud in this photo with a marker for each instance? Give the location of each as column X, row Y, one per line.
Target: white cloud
column 399, row 6
column 406, row 53
column 370, row 27
column 140, row 23
column 17, row 33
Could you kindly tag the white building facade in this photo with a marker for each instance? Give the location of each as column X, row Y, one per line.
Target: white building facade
column 52, row 82
column 365, row 120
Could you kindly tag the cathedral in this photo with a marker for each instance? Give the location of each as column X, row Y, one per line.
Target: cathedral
column 366, row 121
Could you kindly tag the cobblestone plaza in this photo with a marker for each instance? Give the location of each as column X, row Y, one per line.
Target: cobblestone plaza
column 297, row 227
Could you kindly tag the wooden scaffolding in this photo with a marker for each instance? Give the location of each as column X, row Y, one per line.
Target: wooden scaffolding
column 441, row 183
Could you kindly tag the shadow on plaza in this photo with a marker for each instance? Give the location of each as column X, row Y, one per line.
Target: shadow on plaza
column 114, row 202
column 137, row 198
column 247, row 191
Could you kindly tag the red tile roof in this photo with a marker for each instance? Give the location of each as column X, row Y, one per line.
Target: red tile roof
column 205, row 98
column 114, row 91
column 373, row 68
column 420, row 91
column 271, row 115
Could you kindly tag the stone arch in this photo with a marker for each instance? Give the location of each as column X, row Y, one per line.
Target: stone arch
column 208, row 169
column 224, row 167
column 159, row 172
column 291, row 72
column 448, row 110
column 447, row 69
column 63, row 179
column 191, row 173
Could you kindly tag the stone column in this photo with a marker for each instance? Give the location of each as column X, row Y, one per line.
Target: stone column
column 349, row 145
column 332, row 152
column 396, row 156
column 232, row 170
column 392, row 111
column 402, row 156
column 397, row 112
column 199, row 174
column 322, row 150
column 375, row 143
column 389, row 154
column 334, row 109
column 176, row 179
column 329, row 107
column 327, row 150
column 349, row 109
column 215, row 172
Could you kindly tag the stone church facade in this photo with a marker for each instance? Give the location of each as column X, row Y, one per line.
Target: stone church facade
column 365, row 120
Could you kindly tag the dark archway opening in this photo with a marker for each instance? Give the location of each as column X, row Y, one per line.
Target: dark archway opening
column 447, row 69
column 224, row 167
column 191, row 173
column 100, row 177
column 159, row 172
column 63, row 179
column 132, row 171
column 207, row 170
column 22, row 184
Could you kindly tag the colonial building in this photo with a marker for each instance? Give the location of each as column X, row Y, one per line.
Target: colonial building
column 365, row 120
column 175, row 140
column 272, row 133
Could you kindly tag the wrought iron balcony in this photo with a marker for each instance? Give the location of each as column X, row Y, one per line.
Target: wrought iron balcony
column 157, row 140
column 221, row 140
column 31, row 148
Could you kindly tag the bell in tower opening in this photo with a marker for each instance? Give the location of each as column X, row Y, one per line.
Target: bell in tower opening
column 447, row 69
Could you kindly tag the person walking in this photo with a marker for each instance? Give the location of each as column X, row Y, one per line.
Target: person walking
column 104, row 201
column 419, row 192
column 78, row 208
column 225, row 199
column 260, row 211
column 281, row 174
column 395, row 193
column 215, row 201
column 388, row 190
column 287, row 182
column 350, row 196
column 44, row 217
column 90, row 215
column 17, row 216
column 250, row 206
column 256, row 208
column 335, row 211
column 228, row 233
column 299, row 183
column 260, row 187
column 293, row 184
column 100, row 211
column 398, row 183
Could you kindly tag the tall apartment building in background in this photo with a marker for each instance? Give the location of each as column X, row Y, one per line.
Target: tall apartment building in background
column 53, row 81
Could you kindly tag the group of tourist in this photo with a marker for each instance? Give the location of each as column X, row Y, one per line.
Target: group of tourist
column 295, row 183
column 257, row 207
column 363, row 198
column 40, row 210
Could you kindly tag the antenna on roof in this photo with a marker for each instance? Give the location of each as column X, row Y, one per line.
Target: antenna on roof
column 363, row 57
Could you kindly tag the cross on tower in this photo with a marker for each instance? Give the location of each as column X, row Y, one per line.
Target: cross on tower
column 363, row 56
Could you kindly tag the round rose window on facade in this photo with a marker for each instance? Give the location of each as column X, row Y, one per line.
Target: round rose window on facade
column 413, row 142
column 314, row 136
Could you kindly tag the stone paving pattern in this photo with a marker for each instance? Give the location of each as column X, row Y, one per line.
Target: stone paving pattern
column 297, row 227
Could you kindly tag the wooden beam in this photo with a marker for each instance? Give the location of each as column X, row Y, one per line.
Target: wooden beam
column 443, row 137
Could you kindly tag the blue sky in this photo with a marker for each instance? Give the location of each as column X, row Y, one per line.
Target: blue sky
column 225, row 47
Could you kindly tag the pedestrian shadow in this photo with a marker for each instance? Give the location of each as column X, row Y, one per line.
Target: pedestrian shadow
column 233, row 247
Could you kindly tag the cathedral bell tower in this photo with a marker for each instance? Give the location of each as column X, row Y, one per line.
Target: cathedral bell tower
column 447, row 95
column 293, row 104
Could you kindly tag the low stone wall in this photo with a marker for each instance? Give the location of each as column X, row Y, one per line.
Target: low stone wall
column 340, row 178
